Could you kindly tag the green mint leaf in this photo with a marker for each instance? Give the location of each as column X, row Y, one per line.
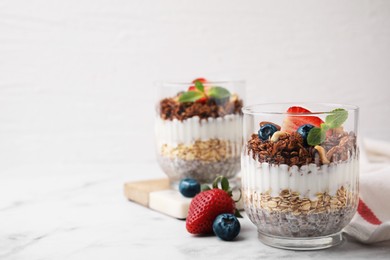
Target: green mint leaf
column 190, row 96
column 336, row 118
column 199, row 86
column 324, row 127
column 316, row 136
column 218, row 93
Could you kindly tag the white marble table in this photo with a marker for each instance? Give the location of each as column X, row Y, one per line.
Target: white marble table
column 79, row 212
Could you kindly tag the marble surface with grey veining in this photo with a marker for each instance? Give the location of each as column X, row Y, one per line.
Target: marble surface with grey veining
column 79, row 212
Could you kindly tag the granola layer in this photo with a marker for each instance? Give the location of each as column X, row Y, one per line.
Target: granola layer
column 290, row 149
column 170, row 108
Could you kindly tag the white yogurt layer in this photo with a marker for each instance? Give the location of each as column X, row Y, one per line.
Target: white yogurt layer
column 307, row 179
column 185, row 132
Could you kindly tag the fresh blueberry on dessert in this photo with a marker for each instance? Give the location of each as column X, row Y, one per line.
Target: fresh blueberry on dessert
column 304, row 132
column 266, row 131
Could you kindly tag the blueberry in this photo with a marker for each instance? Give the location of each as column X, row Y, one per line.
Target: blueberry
column 189, row 187
column 226, row 226
column 266, row 131
column 304, row 132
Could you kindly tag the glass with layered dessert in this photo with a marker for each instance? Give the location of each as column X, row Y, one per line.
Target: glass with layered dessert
column 300, row 172
column 198, row 129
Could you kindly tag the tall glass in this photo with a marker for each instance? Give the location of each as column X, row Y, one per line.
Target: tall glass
column 199, row 138
column 300, row 172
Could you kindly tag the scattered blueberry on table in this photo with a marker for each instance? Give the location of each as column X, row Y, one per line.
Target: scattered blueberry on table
column 189, row 187
column 226, row 226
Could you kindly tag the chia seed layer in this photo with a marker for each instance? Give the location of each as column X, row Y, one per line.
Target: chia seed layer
column 286, row 224
column 203, row 171
column 290, row 215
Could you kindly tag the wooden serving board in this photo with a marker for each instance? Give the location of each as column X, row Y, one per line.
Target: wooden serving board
column 157, row 195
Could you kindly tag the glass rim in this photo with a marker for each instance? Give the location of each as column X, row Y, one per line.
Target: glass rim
column 169, row 83
column 255, row 109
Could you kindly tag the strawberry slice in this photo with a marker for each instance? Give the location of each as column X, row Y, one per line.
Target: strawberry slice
column 293, row 122
column 201, row 80
column 193, row 88
column 297, row 110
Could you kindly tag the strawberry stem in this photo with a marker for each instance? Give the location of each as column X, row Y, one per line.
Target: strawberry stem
column 224, row 183
column 205, row 187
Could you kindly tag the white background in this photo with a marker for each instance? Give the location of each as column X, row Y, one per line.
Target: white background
column 76, row 76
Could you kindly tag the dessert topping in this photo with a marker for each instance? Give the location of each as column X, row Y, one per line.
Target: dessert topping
column 200, row 92
column 321, row 151
column 335, row 119
column 278, row 135
column 304, row 131
column 266, row 131
column 202, row 80
column 293, row 121
column 266, row 122
column 170, row 109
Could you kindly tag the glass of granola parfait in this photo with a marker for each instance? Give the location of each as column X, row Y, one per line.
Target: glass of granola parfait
column 300, row 172
column 198, row 129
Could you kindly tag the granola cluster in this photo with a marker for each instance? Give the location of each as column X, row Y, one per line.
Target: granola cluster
column 290, row 149
column 170, row 108
column 339, row 145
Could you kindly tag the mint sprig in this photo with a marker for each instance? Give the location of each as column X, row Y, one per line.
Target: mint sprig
column 199, row 86
column 200, row 91
column 190, row 96
column 335, row 119
column 219, row 92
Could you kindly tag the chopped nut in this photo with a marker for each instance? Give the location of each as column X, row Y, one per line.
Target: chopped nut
column 322, row 153
column 266, row 122
column 278, row 135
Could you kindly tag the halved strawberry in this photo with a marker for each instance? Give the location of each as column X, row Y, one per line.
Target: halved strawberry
column 193, row 88
column 297, row 110
column 292, row 122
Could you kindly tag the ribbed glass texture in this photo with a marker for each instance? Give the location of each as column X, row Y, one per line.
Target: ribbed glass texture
column 293, row 190
column 200, row 146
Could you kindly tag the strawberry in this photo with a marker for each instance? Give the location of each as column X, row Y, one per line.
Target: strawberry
column 193, row 88
column 293, row 122
column 207, row 205
column 201, row 80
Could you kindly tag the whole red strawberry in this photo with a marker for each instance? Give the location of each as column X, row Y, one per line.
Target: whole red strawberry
column 207, row 205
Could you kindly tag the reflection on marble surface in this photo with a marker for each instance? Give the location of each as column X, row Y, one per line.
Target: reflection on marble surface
column 79, row 212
